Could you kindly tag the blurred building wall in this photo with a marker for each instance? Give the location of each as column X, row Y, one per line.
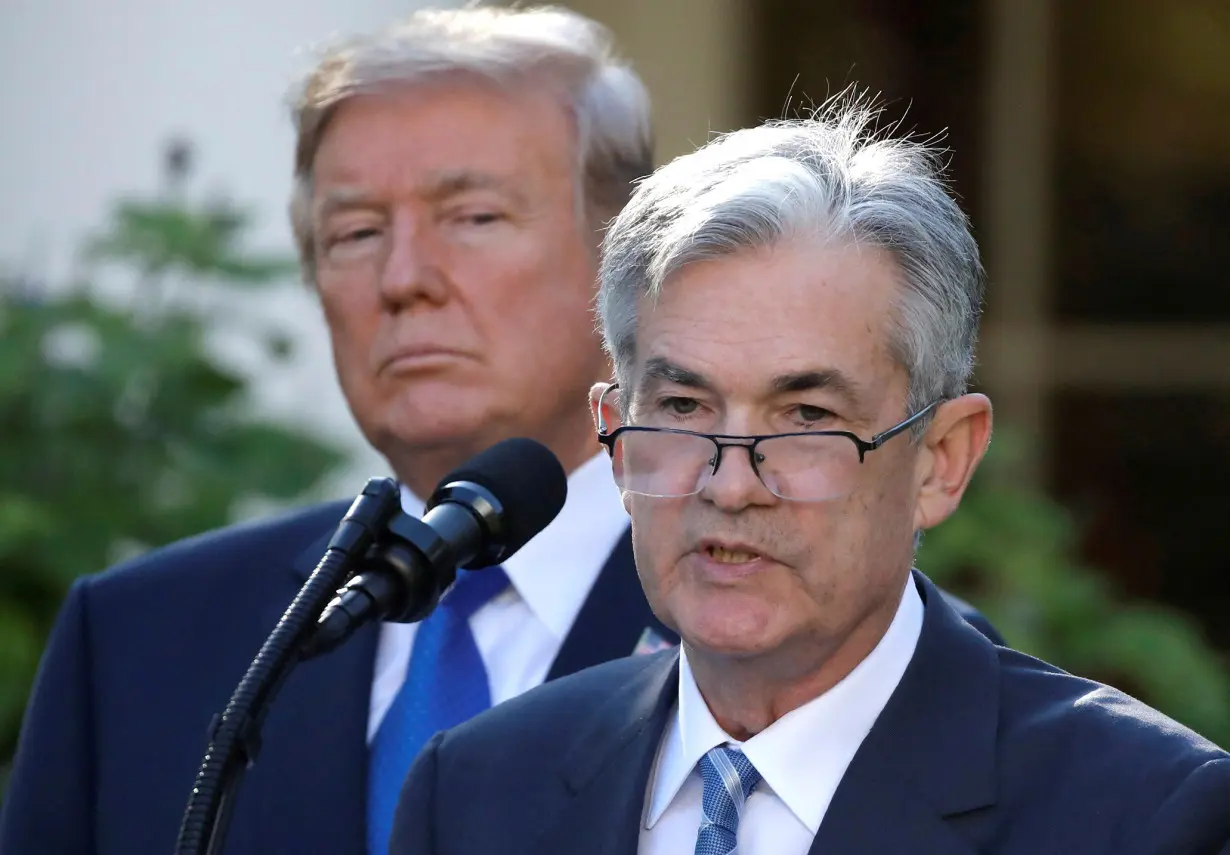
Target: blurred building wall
column 693, row 56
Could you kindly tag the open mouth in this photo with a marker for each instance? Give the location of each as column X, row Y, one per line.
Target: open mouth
column 724, row 555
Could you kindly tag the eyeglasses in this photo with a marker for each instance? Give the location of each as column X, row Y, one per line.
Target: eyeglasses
column 815, row 466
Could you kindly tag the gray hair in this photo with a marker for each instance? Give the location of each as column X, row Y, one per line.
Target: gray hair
column 829, row 176
column 544, row 45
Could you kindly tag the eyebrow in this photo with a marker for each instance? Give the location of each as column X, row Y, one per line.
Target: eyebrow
column 810, row 381
column 439, row 187
column 659, row 369
column 340, row 198
column 841, row 384
column 454, row 182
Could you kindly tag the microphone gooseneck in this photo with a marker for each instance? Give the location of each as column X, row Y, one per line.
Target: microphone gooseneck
column 234, row 735
column 479, row 515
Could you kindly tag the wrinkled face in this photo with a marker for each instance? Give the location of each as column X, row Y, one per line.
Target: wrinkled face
column 790, row 339
column 455, row 274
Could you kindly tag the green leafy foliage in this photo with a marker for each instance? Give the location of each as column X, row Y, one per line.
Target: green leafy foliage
column 1013, row 551
column 161, row 235
column 120, row 429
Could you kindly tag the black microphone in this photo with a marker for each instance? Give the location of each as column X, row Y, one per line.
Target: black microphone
column 480, row 514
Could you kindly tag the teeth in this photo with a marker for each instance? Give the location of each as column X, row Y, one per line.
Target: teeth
column 731, row 556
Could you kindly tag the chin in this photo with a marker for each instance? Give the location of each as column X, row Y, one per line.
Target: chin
column 727, row 627
column 728, row 647
column 427, row 420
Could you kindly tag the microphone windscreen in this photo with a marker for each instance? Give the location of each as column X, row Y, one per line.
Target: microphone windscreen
column 527, row 479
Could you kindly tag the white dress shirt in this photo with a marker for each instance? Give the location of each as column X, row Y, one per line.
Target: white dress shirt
column 520, row 632
column 802, row 756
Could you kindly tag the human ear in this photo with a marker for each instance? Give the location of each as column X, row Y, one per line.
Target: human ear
column 954, row 444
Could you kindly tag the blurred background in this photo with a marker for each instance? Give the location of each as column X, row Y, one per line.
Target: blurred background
column 163, row 371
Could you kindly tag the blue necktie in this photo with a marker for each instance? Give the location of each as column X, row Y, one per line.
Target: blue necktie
column 445, row 685
column 729, row 779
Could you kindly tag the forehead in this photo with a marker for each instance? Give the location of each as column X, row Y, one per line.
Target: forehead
column 746, row 320
column 412, row 138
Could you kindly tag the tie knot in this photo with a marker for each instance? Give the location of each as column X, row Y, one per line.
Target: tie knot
column 729, row 778
column 472, row 589
column 729, row 774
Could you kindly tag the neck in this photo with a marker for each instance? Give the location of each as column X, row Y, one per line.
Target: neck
column 422, row 468
column 747, row 694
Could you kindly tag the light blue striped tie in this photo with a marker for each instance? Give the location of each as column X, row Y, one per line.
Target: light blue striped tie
column 446, row 684
column 729, row 779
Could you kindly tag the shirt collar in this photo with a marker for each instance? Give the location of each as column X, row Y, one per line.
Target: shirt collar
column 555, row 571
column 803, row 755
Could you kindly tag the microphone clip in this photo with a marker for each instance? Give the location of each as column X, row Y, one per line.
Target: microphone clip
column 413, row 561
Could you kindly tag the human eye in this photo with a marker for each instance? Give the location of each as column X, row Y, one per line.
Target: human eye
column 475, row 213
column 673, row 410
column 347, row 241
column 481, row 218
column 810, row 415
column 678, row 405
column 356, row 235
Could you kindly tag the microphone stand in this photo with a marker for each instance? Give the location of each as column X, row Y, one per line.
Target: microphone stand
column 406, row 564
column 234, row 736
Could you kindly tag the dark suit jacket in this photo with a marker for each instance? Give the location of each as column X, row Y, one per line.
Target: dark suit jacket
column 981, row 749
column 142, row 657
column 145, row 654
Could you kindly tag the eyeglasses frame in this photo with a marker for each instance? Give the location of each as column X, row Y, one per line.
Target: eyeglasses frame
column 723, row 441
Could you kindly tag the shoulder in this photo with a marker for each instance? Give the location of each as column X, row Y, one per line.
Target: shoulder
column 620, row 683
column 973, row 617
column 553, row 736
column 222, row 553
column 1084, row 730
column 1043, row 700
column 191, row 613
column 548, row 720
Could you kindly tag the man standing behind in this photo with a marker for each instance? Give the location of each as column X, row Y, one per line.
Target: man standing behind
column 792, row 312
column 453, row 175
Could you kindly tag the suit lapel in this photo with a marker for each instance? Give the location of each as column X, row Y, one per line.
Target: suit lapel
column 613, row 618
column 930, row 754
column 607, row 770
column 312, row 769
column 897, row 820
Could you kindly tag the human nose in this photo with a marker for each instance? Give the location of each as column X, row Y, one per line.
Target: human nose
column 412, row 269
column 735, row 483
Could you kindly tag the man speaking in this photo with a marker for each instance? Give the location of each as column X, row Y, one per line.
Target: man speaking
column 792, row 313
column 453, row 175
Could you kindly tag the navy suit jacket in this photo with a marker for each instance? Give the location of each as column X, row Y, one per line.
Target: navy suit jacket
column 980, row 749
column 143, row 655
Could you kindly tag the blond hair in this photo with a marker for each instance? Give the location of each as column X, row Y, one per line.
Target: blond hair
column 567, row 52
